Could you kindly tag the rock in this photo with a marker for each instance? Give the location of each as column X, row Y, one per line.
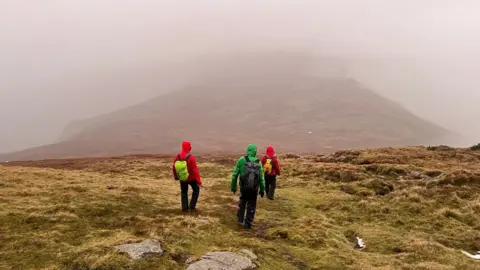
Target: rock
column 416, row 175
column 222, row 260
column 250, row 254
column 144, row 249
column 191, row 260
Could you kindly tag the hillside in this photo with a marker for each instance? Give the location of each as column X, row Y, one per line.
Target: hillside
column 415, row 208
column 287, row 102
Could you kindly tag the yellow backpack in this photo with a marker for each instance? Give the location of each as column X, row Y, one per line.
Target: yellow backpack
column 268, row 166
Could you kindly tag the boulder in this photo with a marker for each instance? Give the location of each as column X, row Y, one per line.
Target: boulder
column 144, row 249
column 222, row 260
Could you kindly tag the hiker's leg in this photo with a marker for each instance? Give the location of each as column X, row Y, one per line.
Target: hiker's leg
column 251, row 209
column 273, row 186
column 184, row 189
column 267, row 184
column 195, row 194
column 241, row 208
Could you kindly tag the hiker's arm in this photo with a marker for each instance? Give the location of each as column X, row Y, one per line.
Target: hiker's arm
column 196, row 173
column 262, row 178
column 236, row 171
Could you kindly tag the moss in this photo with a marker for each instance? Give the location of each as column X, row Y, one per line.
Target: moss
column 379, row 187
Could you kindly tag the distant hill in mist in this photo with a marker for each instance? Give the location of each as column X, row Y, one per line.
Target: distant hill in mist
column 286, row 100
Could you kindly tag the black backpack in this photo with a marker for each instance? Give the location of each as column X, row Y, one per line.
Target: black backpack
column 251, row 178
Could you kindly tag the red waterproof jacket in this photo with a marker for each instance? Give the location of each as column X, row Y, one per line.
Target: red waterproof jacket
column 193, row 174
column 270, row 153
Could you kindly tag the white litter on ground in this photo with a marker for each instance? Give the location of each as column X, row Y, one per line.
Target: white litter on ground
column 476, row 256
column 360, row 243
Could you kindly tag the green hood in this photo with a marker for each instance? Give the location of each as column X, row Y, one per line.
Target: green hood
column 251, row 150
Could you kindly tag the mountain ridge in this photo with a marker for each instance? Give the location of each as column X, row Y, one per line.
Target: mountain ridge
column 301, row 114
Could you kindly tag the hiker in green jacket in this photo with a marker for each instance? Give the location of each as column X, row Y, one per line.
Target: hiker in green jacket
column 250, row 170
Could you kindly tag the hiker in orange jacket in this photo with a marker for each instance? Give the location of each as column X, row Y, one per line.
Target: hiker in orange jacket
column 271, row 169
column 193, row 177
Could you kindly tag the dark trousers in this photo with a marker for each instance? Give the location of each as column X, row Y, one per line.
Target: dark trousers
column 248, row 203
column 270, row 185
column 195, row 194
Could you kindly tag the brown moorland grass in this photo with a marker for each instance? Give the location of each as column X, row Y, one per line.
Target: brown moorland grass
column 414, row 207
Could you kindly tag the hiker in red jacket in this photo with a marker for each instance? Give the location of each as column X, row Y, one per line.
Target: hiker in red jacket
column 271, row 169
column 193, row 178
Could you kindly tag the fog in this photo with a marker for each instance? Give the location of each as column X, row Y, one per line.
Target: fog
column 71, row 59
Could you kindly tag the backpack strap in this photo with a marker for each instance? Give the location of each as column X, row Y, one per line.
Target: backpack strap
column 186, row 157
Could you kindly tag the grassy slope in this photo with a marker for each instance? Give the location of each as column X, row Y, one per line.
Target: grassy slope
column 62, row 218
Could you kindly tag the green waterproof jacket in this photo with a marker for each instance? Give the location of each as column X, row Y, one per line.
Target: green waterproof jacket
column 240, row 167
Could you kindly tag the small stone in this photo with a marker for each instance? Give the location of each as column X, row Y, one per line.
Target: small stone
column 416, row 175
column 146, row 248
column 250, row 254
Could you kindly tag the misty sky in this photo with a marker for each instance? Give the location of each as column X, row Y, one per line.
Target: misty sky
column 62, row 60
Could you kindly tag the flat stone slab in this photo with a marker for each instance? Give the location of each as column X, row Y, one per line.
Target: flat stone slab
column 222, row 260
column 141, row 250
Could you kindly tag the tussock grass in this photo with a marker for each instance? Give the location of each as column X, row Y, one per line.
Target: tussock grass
column 69, row 214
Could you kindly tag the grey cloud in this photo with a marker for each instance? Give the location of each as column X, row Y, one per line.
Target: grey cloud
column 66, row 60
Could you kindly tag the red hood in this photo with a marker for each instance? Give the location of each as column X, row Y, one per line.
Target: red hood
column 270, row 151
column 186, row 147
